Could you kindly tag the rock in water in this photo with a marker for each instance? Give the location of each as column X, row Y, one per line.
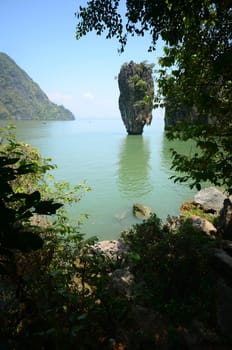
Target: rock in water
column 136, row 87
column 211, row 199
column 141, row 211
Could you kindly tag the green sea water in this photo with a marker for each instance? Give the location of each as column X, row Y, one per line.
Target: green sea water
column 121, row 169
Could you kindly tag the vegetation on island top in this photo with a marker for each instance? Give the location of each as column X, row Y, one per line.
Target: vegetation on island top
column 136, row 87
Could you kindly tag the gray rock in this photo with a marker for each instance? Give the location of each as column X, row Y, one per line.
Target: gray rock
column 121, row 282
column 113, row 249
column 210, row 199
column 120, row 279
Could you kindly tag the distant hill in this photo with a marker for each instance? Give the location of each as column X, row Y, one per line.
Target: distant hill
column 22, row 99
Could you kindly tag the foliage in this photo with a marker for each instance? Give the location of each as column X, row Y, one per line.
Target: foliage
column 173, row 271
column 203, row 80
column 194, row 74
column 54, row 287
column 21, row 98
column 136, row 87
column 141, row 86
column 16, row 206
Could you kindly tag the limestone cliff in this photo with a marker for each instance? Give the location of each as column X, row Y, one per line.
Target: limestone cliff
column 136, row 87
column 22, row 98
column 174, row 114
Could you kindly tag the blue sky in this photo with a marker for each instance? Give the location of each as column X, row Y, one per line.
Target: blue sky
column 39, row 35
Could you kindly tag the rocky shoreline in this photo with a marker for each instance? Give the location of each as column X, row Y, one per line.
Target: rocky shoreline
column 215, row 203
column 210, row 200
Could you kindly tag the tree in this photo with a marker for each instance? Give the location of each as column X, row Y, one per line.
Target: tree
column 195, row 72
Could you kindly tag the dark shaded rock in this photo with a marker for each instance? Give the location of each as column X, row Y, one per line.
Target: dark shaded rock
column 227, row 246
column 211, row 199
column 224, row 308
column 136, row 87
column 225, row 219
column 223, row 264
column 121, row 281
column 150, row 329
column 141, row 211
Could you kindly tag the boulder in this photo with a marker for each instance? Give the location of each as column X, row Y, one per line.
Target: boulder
column 113, row 249
column 210, row 199
column 121, row 281
column 203, row 225
column 141, row 211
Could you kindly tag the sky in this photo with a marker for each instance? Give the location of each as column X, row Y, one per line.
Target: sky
column 39, row 35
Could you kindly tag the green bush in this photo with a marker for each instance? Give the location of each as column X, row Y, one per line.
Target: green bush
column 173, row 272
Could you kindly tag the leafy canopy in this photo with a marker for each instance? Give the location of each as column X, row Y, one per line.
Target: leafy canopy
column 195, row 72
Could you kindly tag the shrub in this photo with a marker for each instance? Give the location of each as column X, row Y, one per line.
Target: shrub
column 173, row 271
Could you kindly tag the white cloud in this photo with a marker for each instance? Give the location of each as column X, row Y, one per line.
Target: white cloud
column 87, row 96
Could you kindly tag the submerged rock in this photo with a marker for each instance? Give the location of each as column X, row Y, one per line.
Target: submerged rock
column 136, row 87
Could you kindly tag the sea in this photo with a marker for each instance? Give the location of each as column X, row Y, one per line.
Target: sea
column 121, row 169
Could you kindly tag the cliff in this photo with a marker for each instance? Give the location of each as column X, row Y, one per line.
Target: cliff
column 21, row 98
column 136, row 87
column 174, row 114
